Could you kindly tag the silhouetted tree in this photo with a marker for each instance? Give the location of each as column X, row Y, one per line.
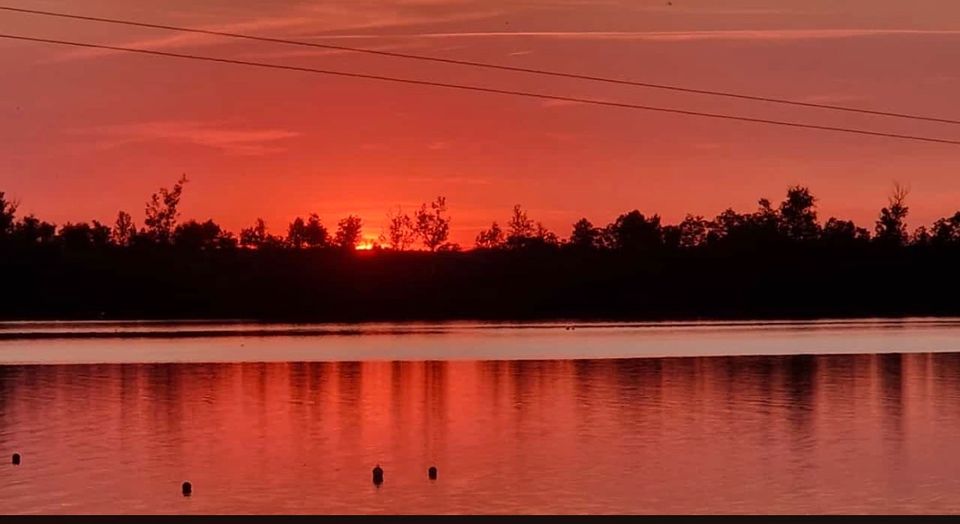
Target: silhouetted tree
column 728, row 224
column 843, row 232
column 798, row 215
column 295, row 233
column 31, row 231
column 920, row 237
column 891, row 229
column 8, row 211
column 100, row 234
column 671, row 236
column 258, row 238
column 162, row 212
column 766, row 219
column 947, row 230
column 525, row 233
column 123, row 229
column 198, row 236
column 310, row 233
column 492, row 238
column 634, row 232
column 544, row 237
column 314, row 233
column 401, row 232
column 584, row 235
column 431, row 225
column 747, row 231
column 84, row 236
column 692, row 231
column 521, row 228
column 349, row 232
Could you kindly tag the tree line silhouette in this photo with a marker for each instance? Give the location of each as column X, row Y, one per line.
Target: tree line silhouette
column 777, row 261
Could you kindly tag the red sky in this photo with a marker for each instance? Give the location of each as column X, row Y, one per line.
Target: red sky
column 84, row 134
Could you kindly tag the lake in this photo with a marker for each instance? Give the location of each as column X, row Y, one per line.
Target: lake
column 682, row 417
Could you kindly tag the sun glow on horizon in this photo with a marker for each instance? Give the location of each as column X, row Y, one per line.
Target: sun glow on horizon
column 366, row 244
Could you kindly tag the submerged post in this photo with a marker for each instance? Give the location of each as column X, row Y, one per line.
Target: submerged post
column 378, row 475
column 187, row 489
column 15, row 459
column 432, row 473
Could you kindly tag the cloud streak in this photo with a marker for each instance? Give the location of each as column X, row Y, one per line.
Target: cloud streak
column 218, row 136
column 182, row 40
column 559, row 103
column 672, row 36
column 300, row 21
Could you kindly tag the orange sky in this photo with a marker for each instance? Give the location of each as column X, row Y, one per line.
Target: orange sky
column 83, row 134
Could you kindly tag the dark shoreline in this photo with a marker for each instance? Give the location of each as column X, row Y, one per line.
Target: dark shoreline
column 483, row 322
column 777, row 262
column 793, row 282
column 789, row 280
column 249, row 329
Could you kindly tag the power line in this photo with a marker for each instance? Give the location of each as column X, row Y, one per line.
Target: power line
column 486, row 65
column 480, row 89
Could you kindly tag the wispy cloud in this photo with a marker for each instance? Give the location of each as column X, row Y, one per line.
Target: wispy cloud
column 707, row 146
column 422, row 3
column 695, row 10
column 228, row 139
column 181, row 40
column 356, row 15
column 662, row 6
column 672, row 36
column 301, row 21
column 834, row 98
column 306, row 52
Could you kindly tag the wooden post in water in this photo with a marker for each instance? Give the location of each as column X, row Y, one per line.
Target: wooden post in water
column 378, row 475
column 187, row 489
column 15, row 459
column 432, row 473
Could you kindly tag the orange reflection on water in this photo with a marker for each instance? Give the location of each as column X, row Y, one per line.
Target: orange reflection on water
column 807, row 434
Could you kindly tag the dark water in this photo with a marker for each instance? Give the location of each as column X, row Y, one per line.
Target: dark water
column 869, row 433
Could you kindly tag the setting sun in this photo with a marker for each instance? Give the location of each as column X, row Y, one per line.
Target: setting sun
column 367, row 244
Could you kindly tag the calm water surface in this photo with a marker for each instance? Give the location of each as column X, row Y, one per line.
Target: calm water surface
column 518, row 418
